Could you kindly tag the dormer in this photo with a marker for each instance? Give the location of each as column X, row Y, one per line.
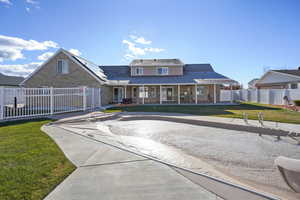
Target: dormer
column 156, row 67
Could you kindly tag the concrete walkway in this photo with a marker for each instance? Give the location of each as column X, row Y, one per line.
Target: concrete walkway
column 106, row 173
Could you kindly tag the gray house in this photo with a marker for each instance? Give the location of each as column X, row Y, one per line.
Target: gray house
column 143, row 81
column 10, row 81
column 280, row 79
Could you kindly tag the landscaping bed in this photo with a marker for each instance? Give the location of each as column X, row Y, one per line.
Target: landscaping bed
column 31, row 162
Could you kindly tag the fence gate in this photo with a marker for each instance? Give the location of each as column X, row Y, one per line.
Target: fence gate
column 31, row 102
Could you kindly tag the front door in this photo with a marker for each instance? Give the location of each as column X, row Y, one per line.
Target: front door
column 167, row 94
column 118, row 94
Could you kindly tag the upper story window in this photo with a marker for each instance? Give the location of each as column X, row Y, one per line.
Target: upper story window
column 139, row 71
column 62, row 67
column 163, row 71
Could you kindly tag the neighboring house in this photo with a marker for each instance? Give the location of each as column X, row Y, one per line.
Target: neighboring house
column 252, row 83
column 10, row 81
column 280, row 79
column 144, row 81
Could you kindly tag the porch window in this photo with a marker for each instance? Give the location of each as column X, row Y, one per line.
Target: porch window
column 201, row 90
column 143, row 92
column 62, row 67
column 163, row 71
column 152, row 92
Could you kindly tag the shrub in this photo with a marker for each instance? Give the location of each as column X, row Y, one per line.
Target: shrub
column 297, row 102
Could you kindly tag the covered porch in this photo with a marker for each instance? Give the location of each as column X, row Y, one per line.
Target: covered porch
column 203, row 92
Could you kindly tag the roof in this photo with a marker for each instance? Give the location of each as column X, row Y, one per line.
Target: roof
column 294, row 72
column 253, row 81
column 156, row 62
column 10, row 80
column 90, row 67
column 192, row 73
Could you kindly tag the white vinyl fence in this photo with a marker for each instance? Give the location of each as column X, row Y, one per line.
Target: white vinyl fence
column 32, row 102
column 264, row 96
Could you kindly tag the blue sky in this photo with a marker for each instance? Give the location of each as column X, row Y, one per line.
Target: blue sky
column 239, row 38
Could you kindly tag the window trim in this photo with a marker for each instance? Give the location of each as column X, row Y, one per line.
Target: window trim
column 65, row 64
column 163, row 68
column 140, row 69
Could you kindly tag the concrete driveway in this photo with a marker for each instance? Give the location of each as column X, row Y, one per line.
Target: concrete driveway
column 105, row 171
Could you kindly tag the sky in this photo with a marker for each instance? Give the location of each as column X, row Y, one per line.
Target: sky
column 240, row 39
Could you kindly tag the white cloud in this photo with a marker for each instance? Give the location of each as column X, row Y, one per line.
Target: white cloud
column 45, row 56
column 140, row 40
column 32, row 2
column 27, row 9
column 75, row 52
column 133, row 51
column 11, row 47
column 154, row 50
column 6, row 2
column 19, row 70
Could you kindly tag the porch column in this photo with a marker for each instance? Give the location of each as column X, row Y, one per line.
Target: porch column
column 215, row 93
column 143, row 95
column 231, row 94
column 125, row 94
column 160, row 91
column 178, row 91
column 196, row 96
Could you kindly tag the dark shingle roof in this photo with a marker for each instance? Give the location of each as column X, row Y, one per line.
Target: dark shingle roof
column 191, row 72
column 10, row 80
column 294, row 72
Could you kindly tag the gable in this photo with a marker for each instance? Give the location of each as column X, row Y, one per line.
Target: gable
column 47, row 76
column 276, row 77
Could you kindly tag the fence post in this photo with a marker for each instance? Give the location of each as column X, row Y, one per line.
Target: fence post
column 51, row 101
column 100, row 100
column 84, row 98
column 1, row 103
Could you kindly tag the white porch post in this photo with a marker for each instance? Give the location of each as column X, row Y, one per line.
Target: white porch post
column 196, row 96
column 178, row 94
column 125, row 94
column 143, row 94
column 215, row 93
column 231, row 94
column 160, row 93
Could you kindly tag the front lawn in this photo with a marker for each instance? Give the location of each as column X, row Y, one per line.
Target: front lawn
column 31, row 164
column 271, row 113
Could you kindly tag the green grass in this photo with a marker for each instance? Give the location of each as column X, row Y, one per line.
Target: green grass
column 31, row 164
column 271, row 113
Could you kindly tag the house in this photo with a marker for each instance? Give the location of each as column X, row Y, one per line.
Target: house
column 10, row 81
column 143, row 81
column 252, row 83
column 280, row 79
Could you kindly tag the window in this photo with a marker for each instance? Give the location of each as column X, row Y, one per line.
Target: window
column 62, row 67
column 152, row 92
column 143, row 93
column 294, row 86
column 163, row 71
column 139, row 71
